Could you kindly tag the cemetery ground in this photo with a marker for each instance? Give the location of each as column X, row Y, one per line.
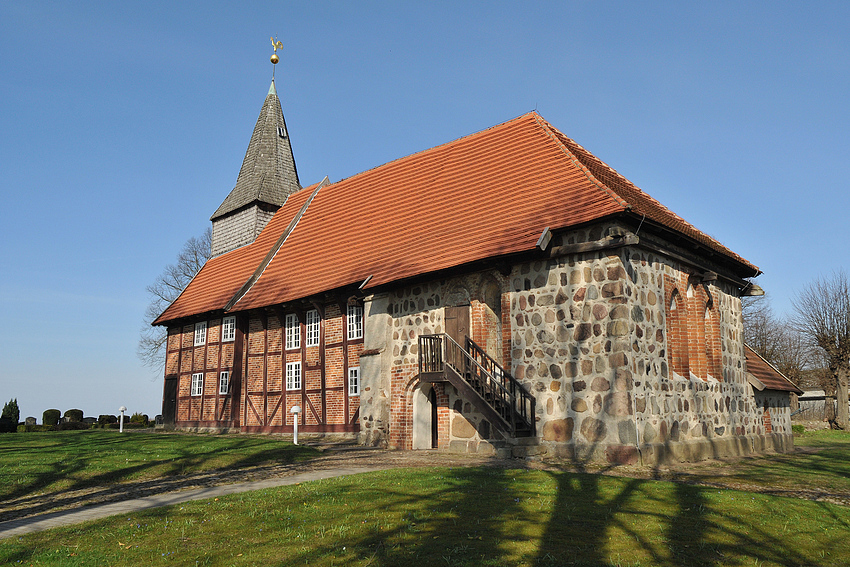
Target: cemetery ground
column 426, row 509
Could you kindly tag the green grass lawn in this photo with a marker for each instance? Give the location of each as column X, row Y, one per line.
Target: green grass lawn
column 826, row 470
column 461, row 516
column 63, row 460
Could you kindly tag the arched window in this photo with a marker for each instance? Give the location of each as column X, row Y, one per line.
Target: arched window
column 677, row 334
column 711, row 339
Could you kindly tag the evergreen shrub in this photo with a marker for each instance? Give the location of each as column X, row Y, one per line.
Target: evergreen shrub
column 74, row 415
column 11, row 411
column 51, row 417
column 72, row 426
column 35, row 428
column 141, row 418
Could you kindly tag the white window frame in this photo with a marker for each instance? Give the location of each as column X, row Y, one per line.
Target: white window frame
column 313, row 327
column 228, row 329
column 293, row 375
column 200, row 333
column 224, row 383
column 354, row 321
column 353, row 380
column 197, row 383
column 293, row 331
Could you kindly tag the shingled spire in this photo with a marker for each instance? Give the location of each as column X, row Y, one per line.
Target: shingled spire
column 268, row 176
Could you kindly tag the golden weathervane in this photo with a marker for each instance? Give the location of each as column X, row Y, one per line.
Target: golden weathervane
column 276, row 45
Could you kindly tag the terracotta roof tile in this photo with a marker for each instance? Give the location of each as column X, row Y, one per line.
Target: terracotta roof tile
column 772, row 378
column 485, row 195
column 641, row 203
column 221, row 277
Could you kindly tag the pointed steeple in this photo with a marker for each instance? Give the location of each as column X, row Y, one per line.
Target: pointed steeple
column 268, row 173
column 267, row 177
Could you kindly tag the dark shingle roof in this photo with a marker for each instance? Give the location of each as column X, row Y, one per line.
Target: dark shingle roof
column 268, row 171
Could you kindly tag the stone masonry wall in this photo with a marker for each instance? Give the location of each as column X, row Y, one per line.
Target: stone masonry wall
column 389, row 365
column 775, row 410
column 590, row 339
column 587, row 335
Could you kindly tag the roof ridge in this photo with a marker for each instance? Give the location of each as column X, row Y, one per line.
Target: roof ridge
column 649, row 201
column 444, row 144
column 549, row 130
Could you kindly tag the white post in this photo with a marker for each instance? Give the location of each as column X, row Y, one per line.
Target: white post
column 122, row 409
column 295, row 411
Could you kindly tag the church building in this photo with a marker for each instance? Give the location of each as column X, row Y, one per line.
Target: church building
column 505, row 293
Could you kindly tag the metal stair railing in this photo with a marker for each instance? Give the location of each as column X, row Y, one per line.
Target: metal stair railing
column 523, row 402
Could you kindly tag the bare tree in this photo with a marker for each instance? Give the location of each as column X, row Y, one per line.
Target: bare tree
column 762, row 331
column 776, row 340
column 164, row 290
column 823, row 316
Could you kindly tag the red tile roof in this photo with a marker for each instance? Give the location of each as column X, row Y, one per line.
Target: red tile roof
column 485, row 195
column 222, row 277
column 772, row 378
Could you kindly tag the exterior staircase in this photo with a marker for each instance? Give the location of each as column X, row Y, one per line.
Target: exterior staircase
column 480, row 379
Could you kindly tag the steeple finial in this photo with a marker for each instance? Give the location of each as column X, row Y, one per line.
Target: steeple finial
column 274, row 58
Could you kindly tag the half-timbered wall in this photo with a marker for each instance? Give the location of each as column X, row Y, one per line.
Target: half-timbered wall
column 259, row 353
column 209, row 408
column 322, row 391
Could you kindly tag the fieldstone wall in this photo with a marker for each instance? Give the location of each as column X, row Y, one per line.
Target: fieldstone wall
column 589, row 339
column 572, row 328
column 389, row 365
column 775, row 408
column 587, row 335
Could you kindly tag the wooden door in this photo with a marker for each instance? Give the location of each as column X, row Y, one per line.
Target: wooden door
column 457, row 327
column 432, row 397
column 169, row 400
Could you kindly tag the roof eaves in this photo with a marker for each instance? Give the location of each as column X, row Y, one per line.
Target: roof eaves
column 159, row 321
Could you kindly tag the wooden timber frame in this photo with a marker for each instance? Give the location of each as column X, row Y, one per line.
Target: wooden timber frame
column 317, row 415
column 225, row 406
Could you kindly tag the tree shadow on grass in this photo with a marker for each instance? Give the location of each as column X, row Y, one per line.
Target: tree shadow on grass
column 467, row 520
column 481, row 516
column 81, row 453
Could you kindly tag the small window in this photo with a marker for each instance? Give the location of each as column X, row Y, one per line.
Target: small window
column 354, row 381
column 197, row 384
column 293, row 332
column 281, row 131
column 293, row 375
column 312, row 328
column 228, row 329
column 201, row 333
column 224, row 383
column 355, row 322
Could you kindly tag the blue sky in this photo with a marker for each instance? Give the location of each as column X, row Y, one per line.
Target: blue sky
column 124, row 126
